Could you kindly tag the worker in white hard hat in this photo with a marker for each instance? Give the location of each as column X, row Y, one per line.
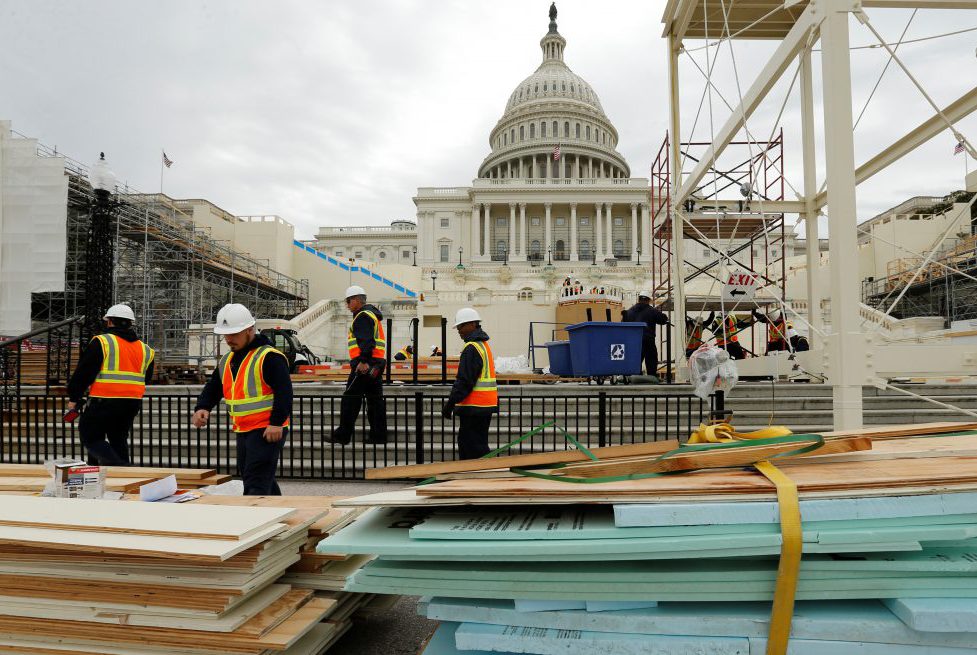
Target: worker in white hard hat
column 254, row 381
column 777, row 337
column 436, row 351
column 114, row 369
column 367, row 345
column 474, row 397
column 643, row 312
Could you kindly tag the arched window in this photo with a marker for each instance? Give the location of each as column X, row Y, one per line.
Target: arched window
column 556, row 129
column 383, row 255
column 537, row 87
column 585, row 248
column 560, row 248
column 525, row 294
column 522, row 132
column 534, row 248
column 542, row 129
column 566, row 129
column 512, row 135
column 505, row 139
column 545, row 87
column 588, row 133
column 571, row 88
column 500, row 247
column 564, row 87
column 618, row 247
column 532, row 130
column 578, row 130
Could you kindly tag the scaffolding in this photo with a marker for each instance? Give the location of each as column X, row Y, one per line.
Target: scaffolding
column 170, row 271
column 727, row 214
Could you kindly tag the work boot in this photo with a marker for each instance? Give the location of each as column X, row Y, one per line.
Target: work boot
column 336, row 437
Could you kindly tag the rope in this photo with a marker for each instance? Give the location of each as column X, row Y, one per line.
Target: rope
column 884, row 69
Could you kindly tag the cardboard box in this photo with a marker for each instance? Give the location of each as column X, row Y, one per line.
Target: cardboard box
column 78, row 480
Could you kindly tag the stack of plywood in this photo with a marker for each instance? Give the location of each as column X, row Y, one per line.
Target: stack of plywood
column 86, row 577
column 689, row 562
column 31, row 478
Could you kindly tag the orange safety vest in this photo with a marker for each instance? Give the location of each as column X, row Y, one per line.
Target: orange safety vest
column 485, row 393
column 778, row 331
column 729, row 334
column 695, row 337
column 124, row 365
column 379, row 350
column 249, row 399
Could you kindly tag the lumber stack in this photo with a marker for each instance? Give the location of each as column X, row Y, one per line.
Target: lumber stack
column 688, row 562
column 31, row 478
column 87, row 577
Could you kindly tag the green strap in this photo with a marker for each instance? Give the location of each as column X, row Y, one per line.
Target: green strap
column 569, row 437
column 814, row 442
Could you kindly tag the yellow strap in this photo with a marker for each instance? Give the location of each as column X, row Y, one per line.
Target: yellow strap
column 722, row 432
column 790, row 558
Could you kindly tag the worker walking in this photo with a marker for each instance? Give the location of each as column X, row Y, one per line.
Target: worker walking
column 643, row 312
column 115, row 369
column 405, row 353
column 474, row 396
column 254, row 381
column 367, row 359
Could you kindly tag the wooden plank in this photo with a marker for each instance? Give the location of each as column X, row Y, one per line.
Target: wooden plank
column 26, row 483
column 38, row 470
column 507, row 461
column 162, row 519
column 896, row 431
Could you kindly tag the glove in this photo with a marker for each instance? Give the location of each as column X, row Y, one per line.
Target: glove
column 448, row 410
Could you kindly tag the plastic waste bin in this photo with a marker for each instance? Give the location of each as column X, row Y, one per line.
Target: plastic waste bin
column 599, row 349
column 560, row 362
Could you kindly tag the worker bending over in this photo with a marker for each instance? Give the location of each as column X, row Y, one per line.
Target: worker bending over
column 436, row 351
column 474, row 396
column 254, row 381
column 727, row 327
column 407, row 352
column 367, row 359
column 693, row 332
column 643, row 312
column 115, row 369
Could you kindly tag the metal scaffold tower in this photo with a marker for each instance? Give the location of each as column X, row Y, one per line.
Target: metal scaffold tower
column 170, row 271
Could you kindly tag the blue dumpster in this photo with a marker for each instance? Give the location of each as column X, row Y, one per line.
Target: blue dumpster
column 599, row 349
column 560, row 362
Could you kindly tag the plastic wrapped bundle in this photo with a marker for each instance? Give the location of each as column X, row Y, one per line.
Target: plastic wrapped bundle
column 712, row 370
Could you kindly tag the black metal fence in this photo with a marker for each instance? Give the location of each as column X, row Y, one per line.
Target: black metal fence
column 31, row 430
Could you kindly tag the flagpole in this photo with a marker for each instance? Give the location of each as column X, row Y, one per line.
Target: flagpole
column 161, row 172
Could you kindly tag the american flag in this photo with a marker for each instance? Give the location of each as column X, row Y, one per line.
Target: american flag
column 166, row 160
column 556, row 153
column 957, row 149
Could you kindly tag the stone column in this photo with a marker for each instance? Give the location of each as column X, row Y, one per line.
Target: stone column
column 609, row 245
column 511, row 246
column 646, row 231
column 522, row 230
column 548, row 242
column 573, row 232
column 634, row 232
column 508, row 168
column 476, row 226
column 598, row 230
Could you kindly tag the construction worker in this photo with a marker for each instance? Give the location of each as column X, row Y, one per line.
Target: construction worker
column 798, row 342
column 367, row 359
column 254, row 381
column 115, row 369
column 436, row 351
column 407, row 352
column 693, row 332
column 474, row 396
column 727, row 328
column 777, row 338
column 643, row 312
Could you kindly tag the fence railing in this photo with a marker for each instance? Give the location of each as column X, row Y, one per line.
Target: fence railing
column 31, row 430
column 43, row 356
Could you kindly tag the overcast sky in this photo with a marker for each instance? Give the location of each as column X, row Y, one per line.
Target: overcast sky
column 333, row 113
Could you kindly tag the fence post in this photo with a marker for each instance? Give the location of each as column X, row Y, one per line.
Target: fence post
column 444, row 350
column 417, row 353
column 419, row 427
column 602, row 419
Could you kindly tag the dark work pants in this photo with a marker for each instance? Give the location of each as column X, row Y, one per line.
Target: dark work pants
column 257, row 461
column 104, row 429
column 735, row 350
column 359, row 387
column 649, row 353
column 473, row 435
column 776, row 346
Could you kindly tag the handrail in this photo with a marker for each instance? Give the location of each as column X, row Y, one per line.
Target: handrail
column 34, row 333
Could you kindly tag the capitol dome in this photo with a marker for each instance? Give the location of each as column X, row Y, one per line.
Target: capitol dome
column 554, row 110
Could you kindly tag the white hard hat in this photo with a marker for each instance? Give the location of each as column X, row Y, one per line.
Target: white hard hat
column 645, row 294
column 120, row 311
column 354, row 291
column 466, row 315
column 776, row 314
column 233, row 318
column 434, row 347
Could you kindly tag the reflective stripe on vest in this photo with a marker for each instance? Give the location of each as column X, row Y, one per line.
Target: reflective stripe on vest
column 379, row 349
column 695, row 338
column 123, row 370
column 249, row 399
column 485, row 393
column 778, row 331
column 729, row 334
column 403, row 351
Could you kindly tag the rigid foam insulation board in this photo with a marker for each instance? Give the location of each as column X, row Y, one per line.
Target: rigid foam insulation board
column 936, row 614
